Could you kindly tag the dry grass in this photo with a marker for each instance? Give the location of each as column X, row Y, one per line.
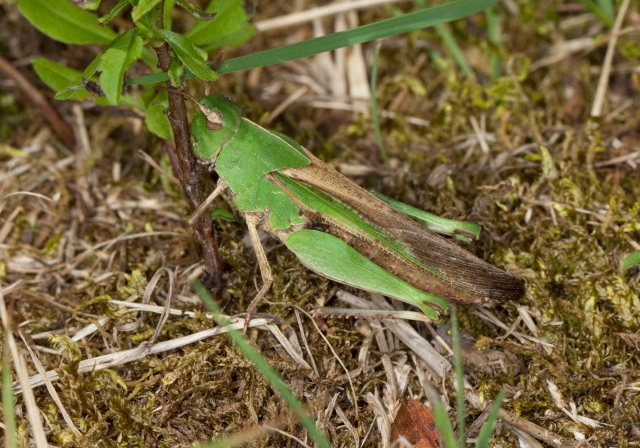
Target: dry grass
column 557, row 193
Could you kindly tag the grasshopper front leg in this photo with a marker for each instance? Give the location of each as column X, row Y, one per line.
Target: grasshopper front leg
column 220, row 187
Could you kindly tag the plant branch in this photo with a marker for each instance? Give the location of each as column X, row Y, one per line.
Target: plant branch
column 188, row 171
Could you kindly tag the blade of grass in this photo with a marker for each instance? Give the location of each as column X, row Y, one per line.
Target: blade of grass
column 450, row 44
column 607, row 7
column 454, row 49
column 493, row 29
column 8, row 406
column 261, row 364
column 487, row 429
column 374, row 107
column 390, row 27
column 441, row 418
column 457, row 356
column 447, row 12
column 602, row 10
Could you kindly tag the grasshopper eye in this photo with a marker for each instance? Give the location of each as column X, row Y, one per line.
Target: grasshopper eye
column 214, row 118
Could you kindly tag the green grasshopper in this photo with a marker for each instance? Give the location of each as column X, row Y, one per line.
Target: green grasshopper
column 367, row 241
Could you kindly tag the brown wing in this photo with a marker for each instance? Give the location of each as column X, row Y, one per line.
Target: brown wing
column 475, row 280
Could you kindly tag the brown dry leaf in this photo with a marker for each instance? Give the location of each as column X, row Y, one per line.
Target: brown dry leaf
column 414, row 421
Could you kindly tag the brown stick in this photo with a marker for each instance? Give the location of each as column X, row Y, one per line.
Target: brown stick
column 60, row 126
column 189, row 174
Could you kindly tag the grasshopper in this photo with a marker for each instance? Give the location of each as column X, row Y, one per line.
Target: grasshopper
column 364, row 240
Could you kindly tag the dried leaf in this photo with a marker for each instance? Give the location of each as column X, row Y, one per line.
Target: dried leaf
column 414, row 421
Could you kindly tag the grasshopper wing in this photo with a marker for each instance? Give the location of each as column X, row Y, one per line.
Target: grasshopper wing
column 402, row 246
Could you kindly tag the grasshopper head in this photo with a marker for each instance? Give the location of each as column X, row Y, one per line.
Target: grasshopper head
column 214, row 124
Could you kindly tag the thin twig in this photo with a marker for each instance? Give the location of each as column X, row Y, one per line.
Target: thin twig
column 596, row 109
column 52, row 391
column 33, row 412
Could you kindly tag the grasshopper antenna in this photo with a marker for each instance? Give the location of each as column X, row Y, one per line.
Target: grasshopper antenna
column 214, row 67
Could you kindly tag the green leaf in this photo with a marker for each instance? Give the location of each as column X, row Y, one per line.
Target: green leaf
column 487, row 429
column 67, row 82
column 77, row 84
column 457, row 358
column 116, row 60
column 191, row 56
column 632, row 260
column 57, row 76
column 157, row 121
column 91, row 5
column 93, row 66
column 143, row 8
column 69, row 91
column 454, row 49
column 168, row 7
column 176, row 73
column 154, row 105
column 113, row 13
column 374, row 107
column 603, row 11
column 63, row 21
column 195, row 11
column 112, row 63
column 230, row 18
